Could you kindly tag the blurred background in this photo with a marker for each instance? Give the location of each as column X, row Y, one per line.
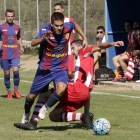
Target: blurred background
column 26, row 15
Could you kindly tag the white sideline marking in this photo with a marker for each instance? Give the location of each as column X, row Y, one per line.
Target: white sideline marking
column 25, row 81
column 135, row 97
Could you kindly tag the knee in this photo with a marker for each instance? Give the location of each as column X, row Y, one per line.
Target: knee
column 51, row 116
column 31, row 97
column 114, row 59
column 60, row 88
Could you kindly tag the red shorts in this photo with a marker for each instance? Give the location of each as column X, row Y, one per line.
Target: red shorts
column 75, row 97
column 128, row 55
column 71, row 66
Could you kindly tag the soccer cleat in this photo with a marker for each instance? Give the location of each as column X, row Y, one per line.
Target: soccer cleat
column 26, row 126
column 9, row 95
column 125, row 79
column 42, row 112
column 17, row 93
column 87, row 118
column 116, row 80
column 25, row 117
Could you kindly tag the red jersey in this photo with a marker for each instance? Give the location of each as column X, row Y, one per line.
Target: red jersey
column 131, row 39
column 84, row 67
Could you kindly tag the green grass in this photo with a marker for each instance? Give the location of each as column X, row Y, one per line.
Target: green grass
column 122, row 112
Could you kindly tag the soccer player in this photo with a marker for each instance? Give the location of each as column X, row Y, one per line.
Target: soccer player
column 120, row 61
column 10, row 36
column 53, row 39
column 77, row 94
column 58, row 7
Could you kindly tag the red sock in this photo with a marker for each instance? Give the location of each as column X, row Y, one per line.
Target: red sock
column 69, row 116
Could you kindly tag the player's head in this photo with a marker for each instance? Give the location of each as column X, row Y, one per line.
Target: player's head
column 129, row 26
column 57, row 22
column 58, row 7
column 76, row 45
column 9, row 15
column 101, row 31
column 137, row 33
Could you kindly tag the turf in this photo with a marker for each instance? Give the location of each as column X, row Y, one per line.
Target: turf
column 122, row 112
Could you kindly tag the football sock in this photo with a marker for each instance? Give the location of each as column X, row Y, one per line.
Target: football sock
column 28, row 105
column 16, row 79
column 7, row 81
column 131, row 69
column 36, row 111
column 69, row 116
column 53, row 99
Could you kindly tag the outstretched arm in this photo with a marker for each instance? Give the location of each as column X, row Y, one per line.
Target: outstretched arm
column 107, row 45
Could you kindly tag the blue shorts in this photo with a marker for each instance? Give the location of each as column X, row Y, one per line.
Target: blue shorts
column 7, row 64
column 44, row 77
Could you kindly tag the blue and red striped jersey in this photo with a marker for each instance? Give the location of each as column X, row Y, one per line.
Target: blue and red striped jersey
column 9, row 35
column 54, row 51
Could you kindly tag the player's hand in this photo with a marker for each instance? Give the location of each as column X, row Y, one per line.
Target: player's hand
column 85, row 44
column 46, row 35
column 22, row 50
column 118, row 43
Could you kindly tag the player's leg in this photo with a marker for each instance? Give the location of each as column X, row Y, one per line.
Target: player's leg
column 15, row 63
column 71, row 101
column 132, row 67
column 117, row 65
column 5, row 65
column 60, row 80
column 40, row 83
column 123, row 60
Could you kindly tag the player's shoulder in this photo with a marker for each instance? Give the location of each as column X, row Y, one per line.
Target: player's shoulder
column 45, row 27
column 86, row 52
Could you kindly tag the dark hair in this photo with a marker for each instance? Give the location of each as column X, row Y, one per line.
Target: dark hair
column 9, row 10
column 58, row 4
column 78, row 42
column 137, row 28
column 129, row 21
column 101, row 27
column 57, row 16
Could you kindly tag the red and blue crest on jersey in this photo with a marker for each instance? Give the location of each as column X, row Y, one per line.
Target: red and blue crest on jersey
column 54, row 51
column 9, row 35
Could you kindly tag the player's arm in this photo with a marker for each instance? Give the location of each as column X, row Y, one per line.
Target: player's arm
column 107, row 45
column 38, row 41
column 20, row 45
column 81, row 33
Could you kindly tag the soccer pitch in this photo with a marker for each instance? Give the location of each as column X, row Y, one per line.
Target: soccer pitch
column 121, row 108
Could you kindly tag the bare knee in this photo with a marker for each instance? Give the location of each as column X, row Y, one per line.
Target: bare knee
column 115, row 59
column 60, row 88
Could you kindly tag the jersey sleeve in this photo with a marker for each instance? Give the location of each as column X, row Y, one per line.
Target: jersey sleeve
column 18, row 34
column 71, row 20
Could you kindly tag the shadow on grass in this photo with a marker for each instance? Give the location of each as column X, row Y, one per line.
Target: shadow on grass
column 5, row 96
column 63, row 128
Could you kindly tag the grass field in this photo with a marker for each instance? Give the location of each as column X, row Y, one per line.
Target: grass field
column 122, row 112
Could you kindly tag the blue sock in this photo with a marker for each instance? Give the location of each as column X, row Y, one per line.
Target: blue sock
column 7, row 81
column 53, row 99
column 28, row 105
column 16, row 79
